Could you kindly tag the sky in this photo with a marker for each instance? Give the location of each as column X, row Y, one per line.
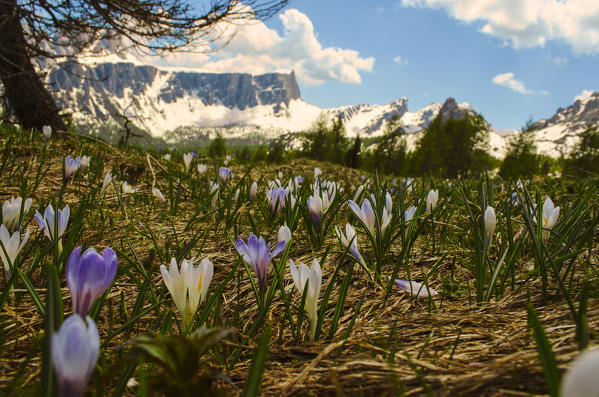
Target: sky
column 510, row 59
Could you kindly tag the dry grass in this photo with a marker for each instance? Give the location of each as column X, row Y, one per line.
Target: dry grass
column 457, row 349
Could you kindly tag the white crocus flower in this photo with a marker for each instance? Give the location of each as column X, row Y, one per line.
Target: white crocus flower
column 550, row 214
column 236, row 196
column 158, row 194
column 202, row 168
column 415, row 288
column 12, row 245
column 253, row 190
column 47, row 224
column 227, row 159
column 581, row 380
column 107, row 180
column 431, row 200
column 284, row 233
column 358, row 192
column 316, row 210
column 11, row 212
column 302, row 274
column 127, row 189
column 189, row 286
column 387, row 213
column 490, row 222
column 85, row 160
column 350, row 237
column 167, row 157
column 187, row 159
column 408, row 216
column 214, row 193
column 317, row 172
column 47, row 131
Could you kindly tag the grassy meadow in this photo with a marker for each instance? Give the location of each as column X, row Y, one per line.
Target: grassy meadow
column 495, row 312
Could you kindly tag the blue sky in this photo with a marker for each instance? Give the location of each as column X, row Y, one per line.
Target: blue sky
column 510, row 59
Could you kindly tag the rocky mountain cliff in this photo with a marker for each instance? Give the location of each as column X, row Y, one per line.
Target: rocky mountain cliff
column 183, row 105
column 557, row 135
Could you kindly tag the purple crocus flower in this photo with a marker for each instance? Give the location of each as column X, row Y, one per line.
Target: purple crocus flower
column 366, row 214
column 224, row 174
column 88, row 276
column 71, row 165
column 415, row 288
column 276, row 197
column 47, row 224
column 194, row 154
column 75, row 350
column 256, row 253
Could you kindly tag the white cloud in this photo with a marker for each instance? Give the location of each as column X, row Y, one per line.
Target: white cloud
column 400, row 61
column 255, row 48
column 380, row 9
column 528, row 23
column 508, row 80
column 585, row 94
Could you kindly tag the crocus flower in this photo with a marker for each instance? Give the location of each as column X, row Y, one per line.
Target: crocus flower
column 415, row 288
column 167, row 156
column 431, row 200
column 387, row 212
column 214, row 194
column 408, row 216
column 236, row 195
column 71, row 165
column 158, row 194
column 187, row 159
column 12, row 245
column 11, row 212
column 280, row 175
column 276, row 198
column 315, row 207
column 350, row 237
column 550, row 214
column 253, row 190
column 490, row 222
column 84, row 162
column 301, row 275
column 202, row 168
column 409, row 213
column 299, row 180
column 366, row 214
column 224, row 174
column 75, row 350
column 107, row 180
column 47, row 131
column 581, row 380
column 358, row 192
column 256, row 253
column 515, row 199
column 89, row 276
column 48, row 225
column 227, row 160
column 188, row 287
column 127, row 189
column 317, row 172
column 284, row 233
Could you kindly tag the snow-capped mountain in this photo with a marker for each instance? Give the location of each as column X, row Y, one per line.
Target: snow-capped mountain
column 558, row 134
column 177, row 104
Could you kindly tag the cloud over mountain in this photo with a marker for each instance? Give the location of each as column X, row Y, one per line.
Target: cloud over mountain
column 255, row 48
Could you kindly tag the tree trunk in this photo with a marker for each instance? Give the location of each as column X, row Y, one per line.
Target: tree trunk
column 29, row 100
